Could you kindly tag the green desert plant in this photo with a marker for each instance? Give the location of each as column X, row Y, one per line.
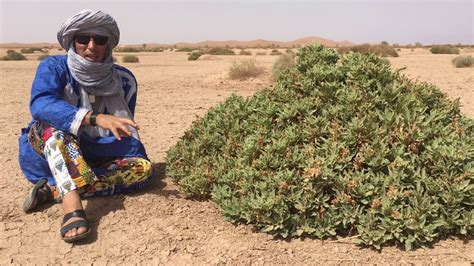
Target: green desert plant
column 245, row 69
column 13, row 56
column 130, row 59
column 283, row 63
column 444, row 49
column 155, row 49
column 194, row 56
column 31, row 50
column 245, row 52
column 463, row 61
column 275, row 52
column 184, row 49
column 127, row 50
column 220, row 51
column 381, row 50
column 341, row 145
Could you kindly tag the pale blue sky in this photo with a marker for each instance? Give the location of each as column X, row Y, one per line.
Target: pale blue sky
column 146, row 21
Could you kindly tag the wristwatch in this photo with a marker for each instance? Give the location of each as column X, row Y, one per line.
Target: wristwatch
column 92, row 119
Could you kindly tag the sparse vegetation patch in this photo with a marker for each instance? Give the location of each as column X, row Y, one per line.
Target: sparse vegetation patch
column 13, row 56
column 194, row 56
column 130, row 59
column 220, row 51
column 463, row 61
column 383, row 50
column 283, row 63
column 444, row 49
column 245, row 69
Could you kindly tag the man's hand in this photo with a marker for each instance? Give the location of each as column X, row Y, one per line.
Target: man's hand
column 119, row 126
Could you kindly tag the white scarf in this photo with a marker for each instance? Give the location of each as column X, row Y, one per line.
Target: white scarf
column 101, row 87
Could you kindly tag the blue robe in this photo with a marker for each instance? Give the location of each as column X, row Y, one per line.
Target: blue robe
column 55, row 99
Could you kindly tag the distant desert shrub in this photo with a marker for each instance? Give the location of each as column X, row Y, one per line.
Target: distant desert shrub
column 156, row 49
column 13, row 56
column 194, row 56
column 463, row 61
column 245, row 69
column 220, row 51
column 184, row 49
column 275, row 52
column 261, row 53
column 31, row 50
column 283, row 63
column 385, row 60
column 130, row 59
column 43, row 56
column 380, row 49
column 244, row 52
column 127, row 50
column 444, row 49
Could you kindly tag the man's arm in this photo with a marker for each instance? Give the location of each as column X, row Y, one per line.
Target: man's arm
column 47, row 103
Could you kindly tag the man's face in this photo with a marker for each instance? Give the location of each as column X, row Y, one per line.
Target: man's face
column 91, row 47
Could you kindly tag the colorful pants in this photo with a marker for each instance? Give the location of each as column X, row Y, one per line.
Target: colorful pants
column 71, row 171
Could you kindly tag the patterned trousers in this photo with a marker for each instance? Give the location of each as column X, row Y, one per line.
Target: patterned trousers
column 72, row 172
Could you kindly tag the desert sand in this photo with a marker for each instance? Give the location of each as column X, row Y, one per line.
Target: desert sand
column 158, row 225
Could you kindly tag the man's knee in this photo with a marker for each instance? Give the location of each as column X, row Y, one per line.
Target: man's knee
column 143, row 169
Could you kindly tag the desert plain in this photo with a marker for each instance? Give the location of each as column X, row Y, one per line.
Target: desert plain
column 159, row 225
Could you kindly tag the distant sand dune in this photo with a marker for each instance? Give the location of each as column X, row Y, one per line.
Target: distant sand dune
column 230, row 43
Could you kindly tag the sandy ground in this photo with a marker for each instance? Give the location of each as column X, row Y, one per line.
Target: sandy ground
column 158, row 225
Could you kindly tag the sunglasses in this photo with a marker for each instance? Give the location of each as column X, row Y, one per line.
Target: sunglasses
column 98, row 39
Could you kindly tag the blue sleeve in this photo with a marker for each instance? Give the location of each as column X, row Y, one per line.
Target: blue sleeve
column 130, row 86
column 46, row 103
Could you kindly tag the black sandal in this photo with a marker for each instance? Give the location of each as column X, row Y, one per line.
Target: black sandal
column 39, row 195
column 75, row 224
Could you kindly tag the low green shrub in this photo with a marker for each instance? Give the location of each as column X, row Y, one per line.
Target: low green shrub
column 184, row 49
column 130, row 59
column 341, row 145
column 31, row 50
column 245, row 69
column 463, row 61
column 194, row 56
column 444, row 49
column 13, row 56
column 155, row 50
column 220, row 51
column 127, row 50
column 380, row 49
column 275, row 52
column 245, row 52
column 283, row 63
